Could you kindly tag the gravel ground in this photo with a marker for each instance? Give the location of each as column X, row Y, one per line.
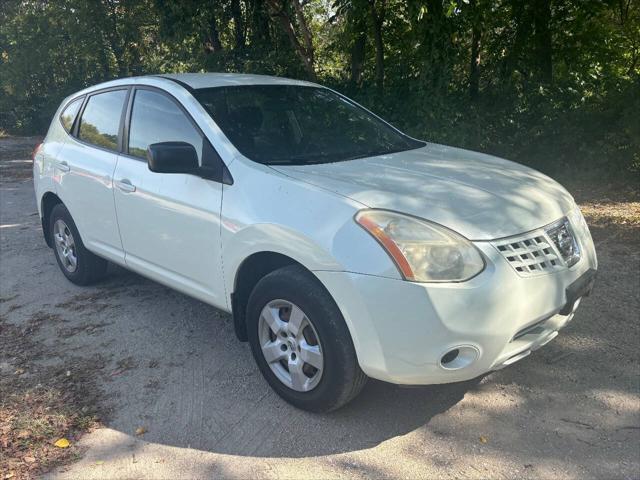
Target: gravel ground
column 156, row 360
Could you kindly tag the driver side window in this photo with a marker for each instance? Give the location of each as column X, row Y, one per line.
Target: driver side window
column 156, row 118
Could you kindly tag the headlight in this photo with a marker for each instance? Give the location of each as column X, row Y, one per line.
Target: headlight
column 579, row 224
column 577, row 220
column 422, row 251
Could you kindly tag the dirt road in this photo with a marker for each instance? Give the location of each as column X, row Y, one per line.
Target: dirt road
column 148, row 357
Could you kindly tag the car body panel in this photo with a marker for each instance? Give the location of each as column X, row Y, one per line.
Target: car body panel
column 459, row 189
column 402, row 329
column 44, row 172
column 317, row 229
column 44, row 168
column 86, row 189
column 181, row 245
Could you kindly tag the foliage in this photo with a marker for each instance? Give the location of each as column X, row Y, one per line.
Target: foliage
column 547, row 82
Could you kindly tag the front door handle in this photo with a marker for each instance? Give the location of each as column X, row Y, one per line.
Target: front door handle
column 125, row 185
column 63, row 166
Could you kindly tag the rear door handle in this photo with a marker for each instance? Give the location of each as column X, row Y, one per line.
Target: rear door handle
column 125, row 185
column 63, row 166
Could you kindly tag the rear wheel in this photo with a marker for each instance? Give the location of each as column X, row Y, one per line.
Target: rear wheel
column 77, row 263
column 301, row 342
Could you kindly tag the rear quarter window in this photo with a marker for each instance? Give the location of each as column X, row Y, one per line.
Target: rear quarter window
column 68, row 115
column 100, row 119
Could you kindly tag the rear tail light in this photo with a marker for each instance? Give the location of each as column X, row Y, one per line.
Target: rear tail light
column 35, row 151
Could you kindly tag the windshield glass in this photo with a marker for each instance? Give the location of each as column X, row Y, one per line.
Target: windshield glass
column 296, row 125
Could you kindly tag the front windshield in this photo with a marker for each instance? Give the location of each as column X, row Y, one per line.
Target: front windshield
column 295, row 125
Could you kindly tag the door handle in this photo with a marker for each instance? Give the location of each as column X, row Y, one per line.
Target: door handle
column 63, row 166
column 125, row 185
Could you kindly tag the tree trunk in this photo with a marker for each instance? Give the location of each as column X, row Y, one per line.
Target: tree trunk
column 259, row 24
column 474, row 66
column 474, row 73
column 304, row 49
column 357, row 58
column 434, row 30
column 358, row 28
column 377, row 15
column 212, row 42
column 542, row 39
column 304, row 29
column 114, row 39
column 238, row 24
column 521, row 17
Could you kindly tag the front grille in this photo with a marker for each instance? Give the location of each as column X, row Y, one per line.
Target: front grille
column 530, row 254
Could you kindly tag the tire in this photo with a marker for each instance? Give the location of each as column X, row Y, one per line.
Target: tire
column 68, row 247
column 324, row 331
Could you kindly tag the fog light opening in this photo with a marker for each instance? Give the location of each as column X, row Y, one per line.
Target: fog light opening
column 450, row 356
column 459, row 357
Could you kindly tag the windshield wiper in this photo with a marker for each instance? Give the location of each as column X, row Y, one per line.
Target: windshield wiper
column 373, row 154
column 298, row 160
column 317, row 159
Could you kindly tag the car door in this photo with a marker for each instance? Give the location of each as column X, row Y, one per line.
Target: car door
column 169, row 223
column 84, row 171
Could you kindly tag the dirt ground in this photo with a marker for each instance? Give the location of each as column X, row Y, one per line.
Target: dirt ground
column 133, row 355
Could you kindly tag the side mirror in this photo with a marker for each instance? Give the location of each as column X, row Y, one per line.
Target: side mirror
column 172, row 157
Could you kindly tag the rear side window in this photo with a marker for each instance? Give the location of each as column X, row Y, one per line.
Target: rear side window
column 101, row 119
column 156, row 118
column 68, row 115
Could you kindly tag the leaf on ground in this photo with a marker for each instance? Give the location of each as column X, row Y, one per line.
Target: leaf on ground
column 141, row 431
column 62, row 443
column 29, row 459
column 483, row 439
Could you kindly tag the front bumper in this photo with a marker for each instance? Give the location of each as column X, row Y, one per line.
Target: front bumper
column 401, row 330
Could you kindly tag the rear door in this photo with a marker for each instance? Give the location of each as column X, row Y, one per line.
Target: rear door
column 84, row 170
column 169, row 223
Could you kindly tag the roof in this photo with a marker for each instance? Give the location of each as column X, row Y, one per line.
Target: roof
column 207, row 80
column 196, row 80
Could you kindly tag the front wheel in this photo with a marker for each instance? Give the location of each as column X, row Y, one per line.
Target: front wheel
column 301, row 342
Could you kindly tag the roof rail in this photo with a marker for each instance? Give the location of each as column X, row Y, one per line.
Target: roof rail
column 179, row 82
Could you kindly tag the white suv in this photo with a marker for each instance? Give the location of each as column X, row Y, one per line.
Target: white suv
column 344, row 248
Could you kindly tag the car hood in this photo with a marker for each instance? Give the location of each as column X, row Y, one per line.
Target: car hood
column 480, row 196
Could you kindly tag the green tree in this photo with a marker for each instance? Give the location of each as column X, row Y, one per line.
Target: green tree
column 547, row 82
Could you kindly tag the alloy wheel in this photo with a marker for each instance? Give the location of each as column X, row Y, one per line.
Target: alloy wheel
column 65, row 246
column 291, row 345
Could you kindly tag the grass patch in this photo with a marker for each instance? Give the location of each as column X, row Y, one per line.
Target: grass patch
column 41, row 404
column 30, row 422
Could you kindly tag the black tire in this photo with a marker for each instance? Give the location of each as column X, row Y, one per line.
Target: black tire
column 90, row 268
column 342, row 379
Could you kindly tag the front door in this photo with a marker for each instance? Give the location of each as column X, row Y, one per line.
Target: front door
column 169, row 223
